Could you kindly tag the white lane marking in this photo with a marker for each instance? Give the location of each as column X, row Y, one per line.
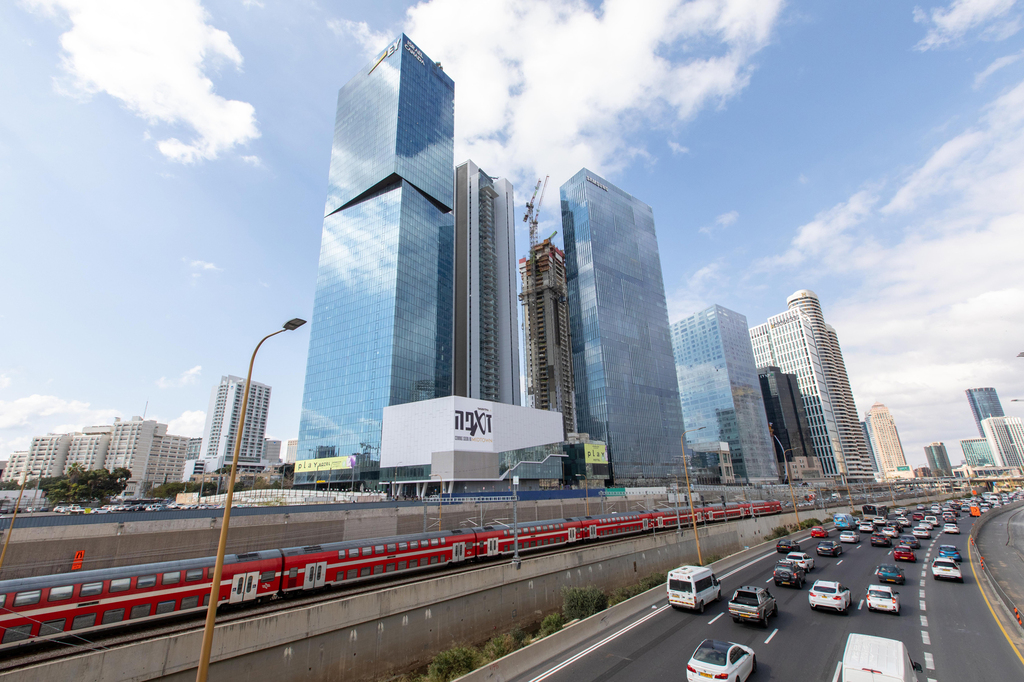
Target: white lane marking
column 929, row 662
column 769, row 580
column 860, row 605
column 857, row 547
column 716, row 618
column 924, row 621
column 552, row 671
column 839, row 669
column 925, row 637
column 922, row 605
column 774, row 632
column 839, row 562
column 932, row 679
column 921, row 594
column 747, row 565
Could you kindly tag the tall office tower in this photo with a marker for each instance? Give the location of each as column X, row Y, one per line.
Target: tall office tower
column 872, row 457
column 381, row 332
column 787, row 417
column 786, row 341
column 271, row 451
column 984, row 403
column 221, row 427
column 146, row 449
column 851, row 437
column 885, row 441
column 549, row 376
column 1005, row 436
column 719, row 390
column 977, row 452
column 486, row 363
column 626, row 390
column 938, row 460
column 47, row 455
column 291, row 450
column 88, row 448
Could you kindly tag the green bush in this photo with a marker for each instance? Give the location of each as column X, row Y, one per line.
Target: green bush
column 778, row 532
column 582, row 602
column 551, row 624
column 647, row 583
column 710, row 559
column 810, row 523
column 452, row 663
column 519, row 637
column 499, row 646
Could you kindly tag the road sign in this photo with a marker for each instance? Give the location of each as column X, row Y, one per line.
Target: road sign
column 79, row 558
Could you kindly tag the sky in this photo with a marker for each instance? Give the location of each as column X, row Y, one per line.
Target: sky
column 163, row 168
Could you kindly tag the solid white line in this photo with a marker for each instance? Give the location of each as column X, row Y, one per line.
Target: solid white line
column 924, row 621
column 925, row 637
column 746, row 565
column 552, row 671
column 839, row 669
column 929, row 662
column 860, row 605
column 769, row 580
column 922, row 605
column 839, row 562
column 771, row 635
column 716, row 618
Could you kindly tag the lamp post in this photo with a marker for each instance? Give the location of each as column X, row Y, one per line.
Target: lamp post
column 586, row 489
column 789, row 478
column 515, row 521
column 689, row 496
column 10, row 531
column 211, row 612
column 440, row 498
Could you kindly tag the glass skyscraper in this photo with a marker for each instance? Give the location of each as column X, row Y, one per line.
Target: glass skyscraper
column 719, row 390
column 624, row 373
column 381, row 332
column 984, row 404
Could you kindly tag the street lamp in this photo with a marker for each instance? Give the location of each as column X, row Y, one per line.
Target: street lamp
column 211, row 612
column 440, row 498
column 789, row 478
column 689, row 496
column 10, row 531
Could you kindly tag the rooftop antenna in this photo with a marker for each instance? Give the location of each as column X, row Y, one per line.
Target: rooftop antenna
column 145, row 410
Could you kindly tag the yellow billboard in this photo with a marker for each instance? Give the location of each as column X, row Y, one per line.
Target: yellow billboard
column 595, row 454
column 324, row 464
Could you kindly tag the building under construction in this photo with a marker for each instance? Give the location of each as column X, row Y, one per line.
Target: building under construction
column 549, row 380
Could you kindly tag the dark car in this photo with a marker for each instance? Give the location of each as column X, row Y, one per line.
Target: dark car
column 910, row 541
column 785, row 546
column 890, row 573
column 829, row 548
column 879, row 540
column 950, row 552
column 789, row 573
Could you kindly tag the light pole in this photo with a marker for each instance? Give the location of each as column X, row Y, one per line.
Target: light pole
column 689, row 496
column 789, row 478
column 515, row 521
column 211, row 612
column 586, row 489
column 10, row 531
column 440, row 498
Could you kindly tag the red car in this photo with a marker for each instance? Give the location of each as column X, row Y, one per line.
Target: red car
column 904, row 553
column 819, row 532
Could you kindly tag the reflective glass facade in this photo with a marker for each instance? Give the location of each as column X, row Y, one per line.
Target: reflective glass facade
column 625, row 379
column 720, row 390
column 984, row 403
column 381, row 332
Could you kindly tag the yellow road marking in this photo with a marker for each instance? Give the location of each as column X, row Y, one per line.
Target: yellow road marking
column 970, row 555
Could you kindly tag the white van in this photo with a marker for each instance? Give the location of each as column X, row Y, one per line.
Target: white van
column 693, row 587
column 876, row 659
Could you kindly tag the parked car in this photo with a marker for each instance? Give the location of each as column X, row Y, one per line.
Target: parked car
column 883, row 598
column 829, row 548
column 850, row 536
column 753, row 604
column 890, row 573
column 75, row 509
column 904, row 553
column 879, row 540
column 830, row 595
column 154, row 507
column 715, row 659
column 946, row 569
column 785, row 546
column 801, row 559
column 819, row 532
column 789, row 573
column 60, row 509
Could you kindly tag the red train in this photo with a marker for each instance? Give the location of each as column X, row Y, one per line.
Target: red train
column 69, row 604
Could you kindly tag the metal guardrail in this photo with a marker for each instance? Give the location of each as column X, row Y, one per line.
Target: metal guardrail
column 1008, row 603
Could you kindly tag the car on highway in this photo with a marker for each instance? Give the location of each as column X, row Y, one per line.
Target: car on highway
column 849, row 536
column 910, row 541
column 951, row 529
column 866, row 527
column 883, row 598
column 876, row 659
column 879, row 540
column 950, row 552
column 692, row 587
column 920, row 507
column 904, row 553
column 933, row 520
column 801, row 559
column 921, row 532
column 926, row 524
column 946, row 569
column 785, row 546
column 890, row 532
column 718, row 660
column 879, row 521
column 830, row 595
column 890, row 573
column 904, row 521
column 789, row 573
column 753, row 604
column 819, row 532
column 829, row 548
column 917, row 516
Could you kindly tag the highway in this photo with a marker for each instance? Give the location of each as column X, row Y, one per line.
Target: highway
column 946, row 626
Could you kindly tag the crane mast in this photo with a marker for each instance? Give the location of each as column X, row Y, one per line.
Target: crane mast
column 533, row 210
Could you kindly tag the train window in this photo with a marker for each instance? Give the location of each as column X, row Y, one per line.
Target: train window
column 352, row 574
column 402, row 565
column 171, row 578
column 165, row 607
column 378, row 569
column 389, row 568
column 206, row 599
column 364, row 571
column 414, row 544
column 378, row 549
column 86, row 621
column 113, row 616
column 89, row 589
column 267, row 576
column 27, row 598
column 141, row 610
column 58, row 593
column 145, row 581
column 433, row 542
column 3, row 600
column 194, row 574
column 402, row 546
column 367, row 551
column 293, row 572
column 189, row 602
column 392, row 548
column 52, row 627
column 120, row 585
column 17, row 633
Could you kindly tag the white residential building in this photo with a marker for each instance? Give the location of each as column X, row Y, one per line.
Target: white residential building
column 885, row 442
column 47, row 455
column 221, row 428
column 146, row 449
column 1005, row 436
column 15, row 466
column 89, row 448
column 292, row 451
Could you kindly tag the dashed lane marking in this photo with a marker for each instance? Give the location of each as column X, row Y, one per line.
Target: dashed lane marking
column 921, row 594
column 921, row 603
column 774, row 632
column 839, row 562
column 924, row 621
column 769, row 580
column 716, row 618
column 860, row 605
column 929, row 661
column 925, row 637
column 839, row 669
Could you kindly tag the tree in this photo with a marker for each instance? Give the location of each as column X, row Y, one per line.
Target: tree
column 169, row 489
column 83, row 486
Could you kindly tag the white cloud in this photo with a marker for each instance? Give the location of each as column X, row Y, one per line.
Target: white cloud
column 721, row 222
column 678, row 148
column 187, row 378
column 37, row 415
column 949, row 24
column 154, row 58
column 5, row 381
column 1000, row 63
column 370, row 42
column 190, row 423
column 547, row 86
column 697, row 292
column 253, row 161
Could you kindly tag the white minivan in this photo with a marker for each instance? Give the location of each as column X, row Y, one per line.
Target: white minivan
column 876, row 659
column 692, row 587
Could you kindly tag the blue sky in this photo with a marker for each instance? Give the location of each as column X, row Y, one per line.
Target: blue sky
column 163, row 168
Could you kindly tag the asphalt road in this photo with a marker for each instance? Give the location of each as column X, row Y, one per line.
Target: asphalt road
column 946, row 626
column 1002, row 545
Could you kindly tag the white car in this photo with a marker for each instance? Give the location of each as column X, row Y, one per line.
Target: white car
column 849, row 536
column 883, row 598
column 926, row 524
column 830, row 595
column 932, row 520
column 801, row 559
column 715, row 659
column 890, row 532
column 921, row 532
column 946, row 569
column 903, row 520
column 867, row 527
column 951, row 528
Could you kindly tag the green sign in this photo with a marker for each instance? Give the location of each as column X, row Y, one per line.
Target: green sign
column 615, row 492
column 902, row 468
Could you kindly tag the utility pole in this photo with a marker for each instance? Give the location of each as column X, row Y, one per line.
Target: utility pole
column 515, row 522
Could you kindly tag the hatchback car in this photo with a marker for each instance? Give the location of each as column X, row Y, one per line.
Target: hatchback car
column 830, row 595
column 946, row 569
column 951, row 529
column 829, row 548
column 921, row 532
column 849, row 536
column 866, row 527
column 950, row 552
column 879, row 540
column 904, row 553
column 819, row 532
column 785, row 546
column 890, row 532
column 883, row 598
column 910, row 541
column 801, row 559
column 718, row 660
column 917, row 516
column 890, row 573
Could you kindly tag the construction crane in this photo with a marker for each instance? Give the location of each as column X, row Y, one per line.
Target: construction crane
column 533, row 210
